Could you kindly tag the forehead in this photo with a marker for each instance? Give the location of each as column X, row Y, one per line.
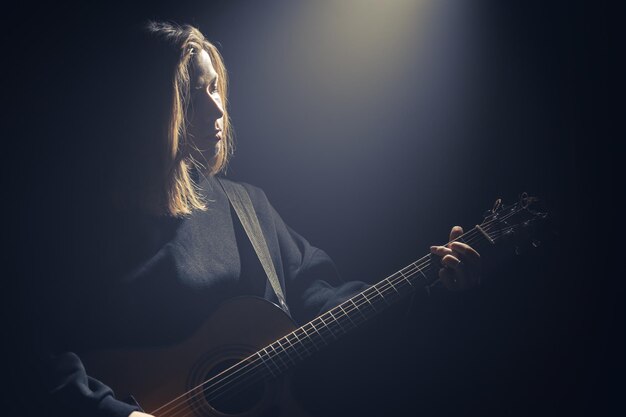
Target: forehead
column 202, row 70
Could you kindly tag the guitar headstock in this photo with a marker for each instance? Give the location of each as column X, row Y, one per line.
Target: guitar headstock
column 516, row 222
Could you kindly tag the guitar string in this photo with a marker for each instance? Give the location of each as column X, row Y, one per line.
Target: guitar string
column 341, row 324
column 386, row 290
column 351, row 309
column 331, row 330
column 256, row 364
column 326, row 332
column 341, row 316
column 343, row 313
column 325, row 328
column 286, row 350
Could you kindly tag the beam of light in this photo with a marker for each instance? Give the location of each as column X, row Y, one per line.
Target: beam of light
column 348, row 90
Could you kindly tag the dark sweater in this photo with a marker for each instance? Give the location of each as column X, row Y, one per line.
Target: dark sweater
column 142, row 281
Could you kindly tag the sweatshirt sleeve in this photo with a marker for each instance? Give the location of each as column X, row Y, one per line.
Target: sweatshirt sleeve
column 313, row 284
column 313, row 281
column 71, row 392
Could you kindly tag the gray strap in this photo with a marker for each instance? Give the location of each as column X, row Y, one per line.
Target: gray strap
column 240, row 200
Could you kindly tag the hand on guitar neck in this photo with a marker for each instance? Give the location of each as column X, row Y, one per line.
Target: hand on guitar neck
column 461, row 265
column 139, row 414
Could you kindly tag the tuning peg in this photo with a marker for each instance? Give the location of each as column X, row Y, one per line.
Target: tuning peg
column 536, row 243
column 518, row 250
column 497, row 205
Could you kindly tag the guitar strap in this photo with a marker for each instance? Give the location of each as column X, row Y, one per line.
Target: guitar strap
column 240, row 200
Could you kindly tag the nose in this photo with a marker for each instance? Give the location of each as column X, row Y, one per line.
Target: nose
column 215, row 106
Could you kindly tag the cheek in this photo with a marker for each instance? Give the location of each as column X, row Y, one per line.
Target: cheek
column 197, row 108
column 194, row 124
column 193, row 116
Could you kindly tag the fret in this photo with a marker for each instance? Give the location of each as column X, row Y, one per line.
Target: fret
column 301, row 343
column 406, row 278
column 293, row 346
column 347, row 315
column 381, row 294
column 419, row 268
column 398, row 285
column 421, row 271
column 277, row 355
column 318, row 333
column 337, row 321
column 403, row 285
column 297, row 343
column 267, row 367
column 308, row 336
column 357, row 308
column 286, row 350
column 270, row 359
column 392, row 286
column 312, row 337
column 389, row 293
column 321, row 318
column 368, row 301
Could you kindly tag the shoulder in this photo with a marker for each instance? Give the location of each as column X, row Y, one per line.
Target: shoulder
column 257, row 195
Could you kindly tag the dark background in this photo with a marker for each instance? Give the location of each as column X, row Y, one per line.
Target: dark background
column 373, row 133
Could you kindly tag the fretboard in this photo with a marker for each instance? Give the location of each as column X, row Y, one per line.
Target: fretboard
column 281, row 355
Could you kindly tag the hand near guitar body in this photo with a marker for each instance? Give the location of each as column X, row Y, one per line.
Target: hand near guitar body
column 461, row 264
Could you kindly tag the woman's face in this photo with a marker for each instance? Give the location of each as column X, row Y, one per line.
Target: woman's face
column 205, row 113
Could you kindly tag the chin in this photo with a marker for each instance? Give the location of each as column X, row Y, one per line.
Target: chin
column 206, row 160
column 212, row 156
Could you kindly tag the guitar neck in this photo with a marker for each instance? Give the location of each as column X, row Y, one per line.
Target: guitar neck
column 320, row 332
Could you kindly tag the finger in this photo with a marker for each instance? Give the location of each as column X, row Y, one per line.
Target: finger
column 450, row 261
column 466, row 273
column 441, row 251
column 456, row 232
column 466, row 252
column 456, row 270
column 449, row 279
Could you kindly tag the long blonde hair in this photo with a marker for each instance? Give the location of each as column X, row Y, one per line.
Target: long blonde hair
column 173, row 190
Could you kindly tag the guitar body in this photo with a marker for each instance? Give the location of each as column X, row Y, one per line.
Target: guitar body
column 155, row 376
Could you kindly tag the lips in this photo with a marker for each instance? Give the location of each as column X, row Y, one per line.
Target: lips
column 216, row 135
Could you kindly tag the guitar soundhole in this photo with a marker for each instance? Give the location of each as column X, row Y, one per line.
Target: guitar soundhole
column 240, row 395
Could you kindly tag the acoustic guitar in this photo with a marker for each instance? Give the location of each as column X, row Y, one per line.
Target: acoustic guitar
column 240, row 369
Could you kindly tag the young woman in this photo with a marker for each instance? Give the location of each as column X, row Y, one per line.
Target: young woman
column 168, row 249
